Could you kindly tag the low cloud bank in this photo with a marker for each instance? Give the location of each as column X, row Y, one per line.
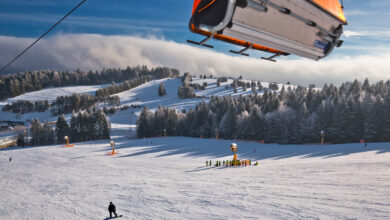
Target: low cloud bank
column 94, row 52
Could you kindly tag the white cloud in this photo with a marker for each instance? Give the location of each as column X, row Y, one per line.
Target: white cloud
column 93, row 52
column 372, row 33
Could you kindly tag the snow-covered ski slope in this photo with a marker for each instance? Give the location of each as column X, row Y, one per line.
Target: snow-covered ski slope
column 49, row 94
column 144, row 95
column 52, row 93
column 166, row 178
column 147, row 94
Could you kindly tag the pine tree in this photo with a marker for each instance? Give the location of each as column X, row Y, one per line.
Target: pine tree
column 161, row 90
column 106, row 132
column 62, row 129
column 48, row 134
column 228, row 123
column 373, row 126
column 144, row 124
column 256, row 124
column 74, row 128
column 36, row 132
column 102, row 126
column 21, row 139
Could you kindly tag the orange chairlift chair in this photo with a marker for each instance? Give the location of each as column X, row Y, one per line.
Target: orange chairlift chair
column 307, row 28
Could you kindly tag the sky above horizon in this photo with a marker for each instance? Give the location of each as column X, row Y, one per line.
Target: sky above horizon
column 118, row 33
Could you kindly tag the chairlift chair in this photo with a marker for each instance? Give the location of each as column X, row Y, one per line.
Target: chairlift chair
column 307, row 28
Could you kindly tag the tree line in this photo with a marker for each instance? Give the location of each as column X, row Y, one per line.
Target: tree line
column 77, row 102
column 84, row 126
column 12, row 85
column 348, row 113
column 118, row 88
column 62, row 104
column 25, row 106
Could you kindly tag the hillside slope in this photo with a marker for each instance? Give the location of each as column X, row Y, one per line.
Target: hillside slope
column 166, row 178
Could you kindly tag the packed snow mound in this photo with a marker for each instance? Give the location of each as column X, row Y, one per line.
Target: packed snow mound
column 167, row 178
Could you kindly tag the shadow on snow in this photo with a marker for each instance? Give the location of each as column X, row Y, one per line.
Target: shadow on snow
column 196, row 147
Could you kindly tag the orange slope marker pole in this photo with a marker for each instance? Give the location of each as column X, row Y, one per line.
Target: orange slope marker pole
column 113, row 153
column 67, row 142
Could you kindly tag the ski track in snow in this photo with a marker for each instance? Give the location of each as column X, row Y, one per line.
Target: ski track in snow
column 166, row 178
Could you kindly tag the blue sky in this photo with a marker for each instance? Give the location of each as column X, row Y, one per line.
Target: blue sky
column 26, row 18
column 368, row 20
column 367, row 33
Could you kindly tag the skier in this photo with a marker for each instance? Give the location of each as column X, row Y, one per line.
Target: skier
column 10, row 159
column 112, row 209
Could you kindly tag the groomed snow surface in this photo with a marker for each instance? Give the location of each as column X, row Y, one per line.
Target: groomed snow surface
column 167, row 178
column 52, row 93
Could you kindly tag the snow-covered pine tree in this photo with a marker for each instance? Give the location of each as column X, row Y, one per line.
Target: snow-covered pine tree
column 91, row 125
column 228, row 123
column 36, row 132
column 48, row 134
column 106, row 132
column 62, row 129
column 161, row 90
column 83, row 120
column 144, row 128
column 373, row 126
column 256, row 124
column 160, row 121
column 74, row 128
column 243, row 130
column 102, row 126
column 207, row 129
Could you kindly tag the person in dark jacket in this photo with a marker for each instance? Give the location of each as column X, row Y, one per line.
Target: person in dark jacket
column 112, row 209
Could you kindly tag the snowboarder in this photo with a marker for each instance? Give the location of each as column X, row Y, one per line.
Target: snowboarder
column 112, row 209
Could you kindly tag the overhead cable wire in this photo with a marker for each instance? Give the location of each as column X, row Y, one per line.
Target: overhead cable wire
column 43, row 35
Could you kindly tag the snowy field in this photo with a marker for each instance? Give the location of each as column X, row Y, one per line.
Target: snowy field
column 45, row 94
column 166, row 178
column 52, row 93
column 147, row 94
column 144, row 95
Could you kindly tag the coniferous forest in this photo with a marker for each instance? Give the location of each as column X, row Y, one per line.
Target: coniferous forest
column 77, row 102
column 349, row 113
column 88, row 125
column 16, row 84
column 62, row 104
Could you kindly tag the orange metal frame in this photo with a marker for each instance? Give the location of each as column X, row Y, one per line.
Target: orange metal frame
column 331, row 6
